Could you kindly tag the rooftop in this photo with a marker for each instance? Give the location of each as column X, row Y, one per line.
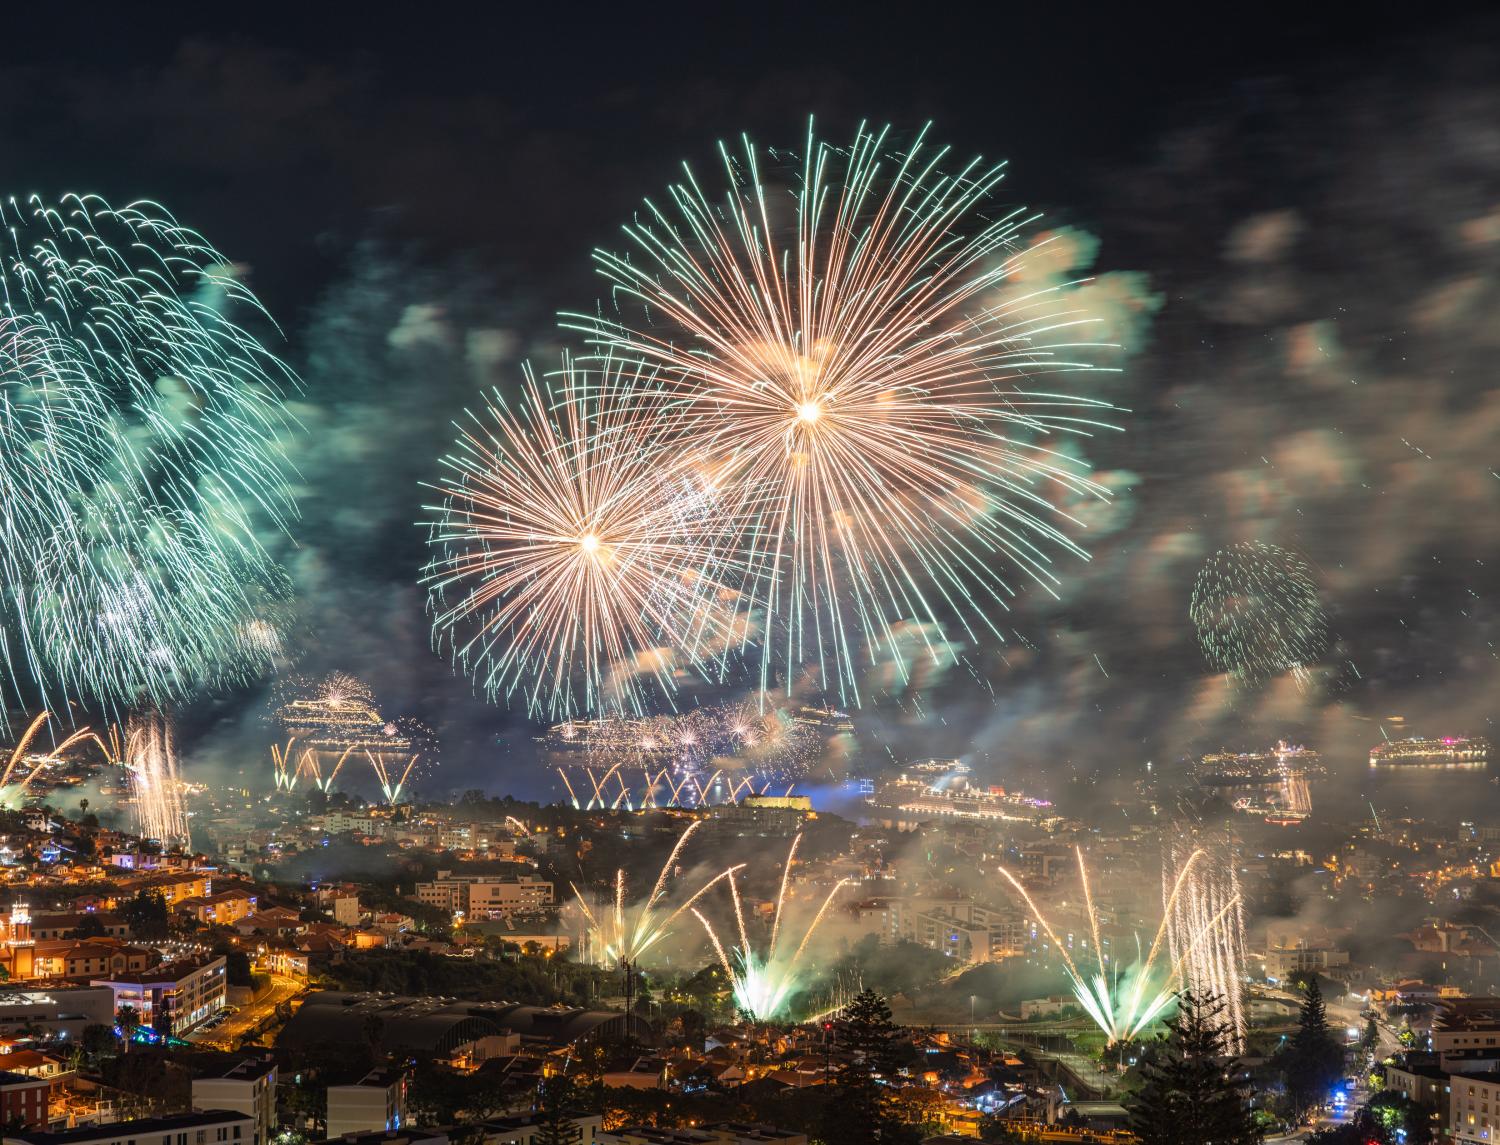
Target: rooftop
column 251, row 1068
column 144, row 1127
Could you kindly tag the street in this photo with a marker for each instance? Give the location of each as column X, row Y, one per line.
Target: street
column 227, row 1035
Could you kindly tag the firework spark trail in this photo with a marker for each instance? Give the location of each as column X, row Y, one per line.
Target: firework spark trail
column 573, row 795
column 12, row 791
column 763, row 984
column 1258, row 613
column 577, row 546
column 862, row 375
column 390, row 788
column 142, row 446
column 1206, row 926
column 283, row 773
column 1123, row 1008
column 152, row 766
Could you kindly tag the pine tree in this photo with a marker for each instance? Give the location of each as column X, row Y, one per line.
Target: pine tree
column 857, row 1112
column 1189, row 1096
column 556, row 1127
column 1313, row 1059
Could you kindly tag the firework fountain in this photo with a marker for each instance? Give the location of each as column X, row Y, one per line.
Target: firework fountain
column 620, row 934
column 1206, row 924
column 155, row 786
column 1124, row 1002
column 764, row 982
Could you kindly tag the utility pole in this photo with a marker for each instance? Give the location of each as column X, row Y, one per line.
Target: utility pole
column 827, row 1054
column 629, row 968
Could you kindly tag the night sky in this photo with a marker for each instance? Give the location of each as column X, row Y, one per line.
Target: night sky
column 1300, row 210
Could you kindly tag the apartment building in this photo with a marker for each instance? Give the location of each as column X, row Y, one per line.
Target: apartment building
column 487, row 896
column 249, row 1088
column 173, row 997
column 375, row 1103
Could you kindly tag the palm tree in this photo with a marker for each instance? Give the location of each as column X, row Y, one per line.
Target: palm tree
column 127, row 1017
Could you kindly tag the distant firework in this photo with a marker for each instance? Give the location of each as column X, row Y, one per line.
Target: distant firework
column 25, row 763
column 716, row 754
column 861, row 357
column 333, row 725
column 579, row 548
column 1258, row 613
column 142, row 437
column 155, row 786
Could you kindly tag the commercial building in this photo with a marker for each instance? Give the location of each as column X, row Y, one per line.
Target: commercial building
column 960, row 928
column 214, row 1127
column 486, row 896
column 63, row 1010
column 249, row 1088
column 173, row 997
column 375, row 1103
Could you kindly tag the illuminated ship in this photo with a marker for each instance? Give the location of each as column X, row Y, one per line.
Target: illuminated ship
column 1463, row 752
column 942, row 787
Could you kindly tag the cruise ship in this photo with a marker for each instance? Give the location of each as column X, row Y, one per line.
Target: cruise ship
column 1467, row 752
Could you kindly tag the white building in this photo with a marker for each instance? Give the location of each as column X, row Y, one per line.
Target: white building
column 375, row 1103
column 249, row 1088
column 61, row 1009
column 1474, row 1108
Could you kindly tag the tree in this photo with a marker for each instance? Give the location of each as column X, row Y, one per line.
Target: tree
column 147, row 915
column 555, row 1127
column 90, row 926
column 1313, row 1060
column 1369, row 1041
column 859, row 1111
column 127, row 1018
column 97, row 1040
column 1189, row 1095
column 1388, row 1119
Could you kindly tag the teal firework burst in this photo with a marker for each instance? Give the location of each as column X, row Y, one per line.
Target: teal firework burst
column 142, row 434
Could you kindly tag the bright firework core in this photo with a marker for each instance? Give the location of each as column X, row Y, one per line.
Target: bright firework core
column 589, row 543
column 809, row 412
